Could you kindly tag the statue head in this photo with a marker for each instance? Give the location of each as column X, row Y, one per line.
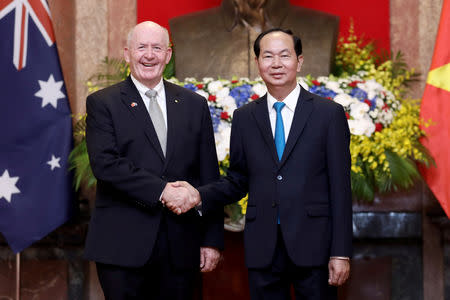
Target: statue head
column 251, row 13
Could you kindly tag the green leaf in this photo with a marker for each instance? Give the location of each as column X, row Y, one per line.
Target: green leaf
column 79, row 162
column 361, row 187
column 403, row 170
column 169, row 71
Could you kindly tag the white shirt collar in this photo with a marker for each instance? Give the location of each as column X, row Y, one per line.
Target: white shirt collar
column 290, row 100
column 159, row 88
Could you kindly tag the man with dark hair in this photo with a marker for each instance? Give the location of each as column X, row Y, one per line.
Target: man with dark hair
column 297, row 42
column 290, row 151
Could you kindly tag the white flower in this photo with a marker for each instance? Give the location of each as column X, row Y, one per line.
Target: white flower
column 223, row 92
column 371, row 87
column 322, row 79
column 385, row 117
column 390, row 96
column 302, row 82
column 344, row 81
column 215, row 86
column 174, row 80
column 379, row 103
column 373, row 113
column 344, row 99
column 361, row 127
column 202, row 93
column 207, row 79
column 222, row 137
column 334, row 86
column 190, row 80
column 244, row 79
column 228, row 103
column 259, row 89
column 358, row 110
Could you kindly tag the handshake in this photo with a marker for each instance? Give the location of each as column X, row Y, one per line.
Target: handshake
column 180, row 197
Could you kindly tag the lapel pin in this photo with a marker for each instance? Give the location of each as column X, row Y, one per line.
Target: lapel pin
column 133, row 104
column 176, row 100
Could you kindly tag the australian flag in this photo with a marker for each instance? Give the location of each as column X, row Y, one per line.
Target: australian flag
column 35, row 126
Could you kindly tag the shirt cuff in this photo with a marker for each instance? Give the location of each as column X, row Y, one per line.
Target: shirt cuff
column 198, row 208
column 340, row 257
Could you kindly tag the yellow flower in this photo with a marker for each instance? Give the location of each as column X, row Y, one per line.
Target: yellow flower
column 243, row 204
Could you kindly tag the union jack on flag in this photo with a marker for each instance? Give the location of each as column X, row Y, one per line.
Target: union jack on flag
column 35, row 122
column 40, row 14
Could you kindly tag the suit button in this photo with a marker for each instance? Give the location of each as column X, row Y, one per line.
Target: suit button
column 279, row 177
column 163, row 177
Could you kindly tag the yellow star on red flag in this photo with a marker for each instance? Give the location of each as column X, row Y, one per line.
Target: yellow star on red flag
column 440, row 77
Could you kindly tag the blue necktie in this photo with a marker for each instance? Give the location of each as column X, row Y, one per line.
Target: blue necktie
column 279, row 129
column 279, row 138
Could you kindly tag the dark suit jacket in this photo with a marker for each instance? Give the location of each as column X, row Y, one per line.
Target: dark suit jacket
column 310, row 185
column 131, row 173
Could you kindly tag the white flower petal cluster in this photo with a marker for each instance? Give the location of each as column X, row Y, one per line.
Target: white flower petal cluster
column 228, row 103
column 202, row 93
column 358, row 110
column 344, row 99
column 259, row 89
column 363, row 126
column 222, row 137
column 215, row 86
column 334, row 86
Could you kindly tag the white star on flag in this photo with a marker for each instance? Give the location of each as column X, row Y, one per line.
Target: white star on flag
column 54, row 162
column 8, row 186
column 50, row 91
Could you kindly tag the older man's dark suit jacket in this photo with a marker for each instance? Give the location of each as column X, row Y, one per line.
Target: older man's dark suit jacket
column 310, row 185
column 131, row 173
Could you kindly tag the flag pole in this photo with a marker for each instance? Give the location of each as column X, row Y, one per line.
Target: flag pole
column 18, row 276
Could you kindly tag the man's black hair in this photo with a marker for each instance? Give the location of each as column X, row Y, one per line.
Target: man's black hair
column 296, row 39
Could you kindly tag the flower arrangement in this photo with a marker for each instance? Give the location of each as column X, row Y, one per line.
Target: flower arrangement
column 384, row 128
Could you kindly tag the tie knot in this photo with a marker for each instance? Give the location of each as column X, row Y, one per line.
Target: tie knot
column 278, row 106
column 151, row 94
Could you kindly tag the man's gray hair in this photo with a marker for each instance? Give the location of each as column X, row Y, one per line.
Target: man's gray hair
column 153, row 24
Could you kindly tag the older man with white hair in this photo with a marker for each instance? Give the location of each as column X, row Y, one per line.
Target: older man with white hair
column 143, row 133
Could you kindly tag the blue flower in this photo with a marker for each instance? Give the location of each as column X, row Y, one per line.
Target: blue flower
column 215, row 117
column 322, row 91
column 373, row 102
column 191, row 86
column 241, row 94
column 359, row 94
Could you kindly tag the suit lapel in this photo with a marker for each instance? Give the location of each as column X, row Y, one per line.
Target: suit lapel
column 302, row 112
column 174, row 115
column 133, row 101
column 261, row 115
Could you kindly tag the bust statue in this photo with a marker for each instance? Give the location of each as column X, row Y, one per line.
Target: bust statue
column 218, row 42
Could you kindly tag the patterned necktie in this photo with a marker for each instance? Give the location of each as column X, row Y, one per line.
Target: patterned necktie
column 279, row 129
column 157, row 119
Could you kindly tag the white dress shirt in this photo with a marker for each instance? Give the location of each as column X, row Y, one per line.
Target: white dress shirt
column 287, row 112
column 160, row 97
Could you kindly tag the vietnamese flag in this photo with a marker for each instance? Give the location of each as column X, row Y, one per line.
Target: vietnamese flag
column 436, row 107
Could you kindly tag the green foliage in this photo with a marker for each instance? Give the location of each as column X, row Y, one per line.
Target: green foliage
column 403, row 172
column 111, row 71
column 79, row 162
